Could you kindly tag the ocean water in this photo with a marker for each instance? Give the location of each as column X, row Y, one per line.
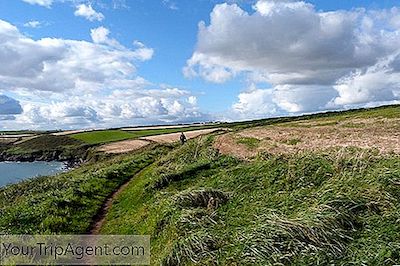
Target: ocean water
column 13, row 172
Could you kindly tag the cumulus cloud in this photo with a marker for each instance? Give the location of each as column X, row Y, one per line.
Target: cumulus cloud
column 119, row 108
column 312, row 59
column 72, row 84
column 45, row 3
column 51, row 64
column 88, row 12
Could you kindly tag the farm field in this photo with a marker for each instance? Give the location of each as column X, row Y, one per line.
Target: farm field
column 105, row 136
column 134, row 144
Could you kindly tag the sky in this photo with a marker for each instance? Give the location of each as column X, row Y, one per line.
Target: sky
column 70, row 64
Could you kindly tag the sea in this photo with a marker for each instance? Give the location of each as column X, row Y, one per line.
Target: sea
column 13, row 172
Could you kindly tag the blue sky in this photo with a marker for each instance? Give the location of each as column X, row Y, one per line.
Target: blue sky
column 232, row 69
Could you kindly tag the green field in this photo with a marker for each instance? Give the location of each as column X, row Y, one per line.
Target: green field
column 337, row 206
column 105, row 136
column 99, row 137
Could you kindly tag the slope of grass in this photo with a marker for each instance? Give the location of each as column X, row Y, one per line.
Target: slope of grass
column 66, row 203
column 340, row 207
column 49, row 142
column 390, row 111
column 337, row 207
column 46, row 147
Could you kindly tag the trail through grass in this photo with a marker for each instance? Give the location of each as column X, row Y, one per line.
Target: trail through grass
column 338, row 207
column 66, row 203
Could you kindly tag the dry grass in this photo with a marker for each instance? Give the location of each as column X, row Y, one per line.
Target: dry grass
column 376, row 133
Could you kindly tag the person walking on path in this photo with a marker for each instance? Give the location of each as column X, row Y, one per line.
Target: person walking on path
column 182, row 138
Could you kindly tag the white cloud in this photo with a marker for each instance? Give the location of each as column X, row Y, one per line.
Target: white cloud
column 142, row 52
column 99, row 35
column 119, row 108
column 32, row 24
column 45, row 3
column 254, row 103
column 71, row 84
column 378, row 83
column 88, row 12
column 312, row 59
column 58, row 65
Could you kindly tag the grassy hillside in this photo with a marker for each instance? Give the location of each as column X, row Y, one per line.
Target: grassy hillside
column 391, row 111
column 314, row 190
column 45, row 147
column 302, row 209
column 67, row 203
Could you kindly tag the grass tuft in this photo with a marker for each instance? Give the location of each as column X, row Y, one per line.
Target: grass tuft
column 205, row 198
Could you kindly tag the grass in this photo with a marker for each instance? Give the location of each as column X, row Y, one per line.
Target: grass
column 47, row 147
column 49, row 142
column 249, row 142
column 390, row 111
column 339, row 207
column 336, row 207
column 105, row 136
column 66, row 203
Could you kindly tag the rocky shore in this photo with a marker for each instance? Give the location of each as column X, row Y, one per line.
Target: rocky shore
column 69, row 159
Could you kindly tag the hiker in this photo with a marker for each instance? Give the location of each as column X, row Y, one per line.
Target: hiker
column 182, row 138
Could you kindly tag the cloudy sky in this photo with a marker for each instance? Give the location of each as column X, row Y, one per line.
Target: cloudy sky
column 107, row 63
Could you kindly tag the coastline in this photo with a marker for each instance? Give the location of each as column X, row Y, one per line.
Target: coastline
column 70, row 162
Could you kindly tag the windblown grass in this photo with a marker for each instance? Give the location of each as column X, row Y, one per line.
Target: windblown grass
column 66, row 203
column 331, row 207
column 336, row 207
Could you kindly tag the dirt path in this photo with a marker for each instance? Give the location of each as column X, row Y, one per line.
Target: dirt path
column 128, row 145
column 100, row 217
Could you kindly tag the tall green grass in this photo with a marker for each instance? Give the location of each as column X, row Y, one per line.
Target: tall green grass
column 67, row 203
column 339, row 207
